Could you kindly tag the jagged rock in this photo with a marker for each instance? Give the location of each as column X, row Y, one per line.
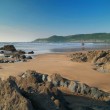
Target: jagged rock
column 99, row 59
column 85, row 89
column 73, row 86
column 64, row 82
column 12, row 98
column 55, row 79
column 33, row 91
column 79, row 57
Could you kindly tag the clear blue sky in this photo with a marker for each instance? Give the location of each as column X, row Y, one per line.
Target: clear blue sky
column 26, row 20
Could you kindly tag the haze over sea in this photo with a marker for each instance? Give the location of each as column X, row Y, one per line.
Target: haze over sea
column 41, row 48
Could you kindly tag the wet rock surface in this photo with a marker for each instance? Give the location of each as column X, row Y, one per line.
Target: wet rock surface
column 11, row 55
column 99, row 59
column 36, row 91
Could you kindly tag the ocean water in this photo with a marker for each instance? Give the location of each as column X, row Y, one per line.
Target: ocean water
column 41, row 48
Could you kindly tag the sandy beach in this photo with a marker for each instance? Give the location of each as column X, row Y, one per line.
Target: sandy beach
column 59, row 63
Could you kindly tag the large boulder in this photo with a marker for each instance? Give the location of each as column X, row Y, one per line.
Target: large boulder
column 8, row 48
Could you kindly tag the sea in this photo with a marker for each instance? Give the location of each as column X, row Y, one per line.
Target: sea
column 42, row 48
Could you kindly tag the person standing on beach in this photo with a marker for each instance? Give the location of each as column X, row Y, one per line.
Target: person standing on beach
column 82, row 44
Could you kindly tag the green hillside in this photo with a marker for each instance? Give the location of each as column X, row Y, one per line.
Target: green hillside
column 95, row 37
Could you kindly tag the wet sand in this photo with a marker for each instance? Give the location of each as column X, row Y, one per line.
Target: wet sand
column 59, row 63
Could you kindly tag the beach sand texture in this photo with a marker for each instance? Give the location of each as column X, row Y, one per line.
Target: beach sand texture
column 59, row 63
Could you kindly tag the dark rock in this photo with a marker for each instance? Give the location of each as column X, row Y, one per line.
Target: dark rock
column 16, row 55
column 21, row 52
column 23, row 56
column 8, row 48
column 7, row 55
column 1, row 52
column 1, row 61
column 31, row 52
column 82, row 108
column 84, row 59
column 28, row 57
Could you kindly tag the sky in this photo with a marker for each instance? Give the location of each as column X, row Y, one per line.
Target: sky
column 27, row 20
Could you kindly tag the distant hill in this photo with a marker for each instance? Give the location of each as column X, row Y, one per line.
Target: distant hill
column 95, row 37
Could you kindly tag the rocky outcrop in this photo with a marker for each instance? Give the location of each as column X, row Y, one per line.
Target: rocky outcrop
column 8, row 48
column 99, row 59
column 79, row 57
column 11, row 97
column 11, row 55
column 36, row 91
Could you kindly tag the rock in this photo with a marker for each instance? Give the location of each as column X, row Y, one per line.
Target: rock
column 1, row 52
column 11, row 61
column 57, row 103
column 31, row 52
column 44, row 77
column 73, row 86
column 12, row 98
column 5, row 61
column 84, row 58
column 18, row 60
column 64, row 82
column 7, row 56
column 21, row 52
column 1, row 61
column 16, row 55
column 96, row 93
column 33, row 91
column 28, row 57
column 82, row 108
column 55, row 79
column 22, row 56
column 99, row 59
column 8, row 48
column 85, row 89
